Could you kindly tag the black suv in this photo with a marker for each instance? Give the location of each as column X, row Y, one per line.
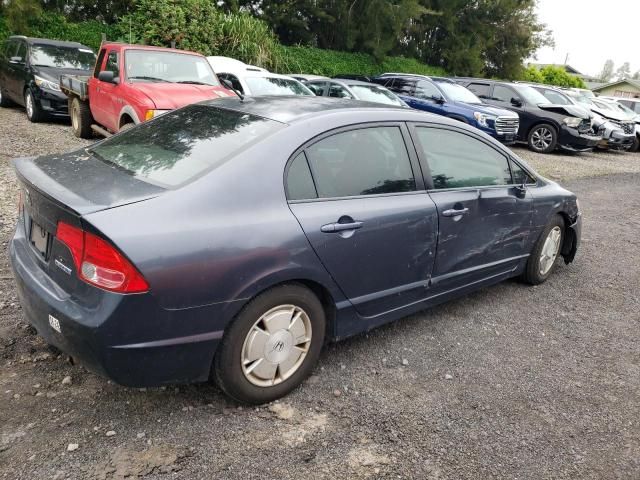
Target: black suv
column 30, row 70
column 544, row 126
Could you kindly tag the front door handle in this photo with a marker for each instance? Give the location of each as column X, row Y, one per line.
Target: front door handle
column 455, row 213
column 340, row 227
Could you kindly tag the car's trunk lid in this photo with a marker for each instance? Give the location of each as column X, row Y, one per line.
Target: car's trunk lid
column 82, row 183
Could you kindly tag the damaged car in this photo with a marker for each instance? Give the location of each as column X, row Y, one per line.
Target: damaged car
column 544, row 126
column 615, row 135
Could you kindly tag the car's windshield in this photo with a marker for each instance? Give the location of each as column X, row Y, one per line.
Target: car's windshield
column 372, row 93
column 179, row 146
column 62, row 57
column 531, row 95
column 276, row 86
column 580, row 98
column 605, row 105
column 458, row 93
column 175, row 67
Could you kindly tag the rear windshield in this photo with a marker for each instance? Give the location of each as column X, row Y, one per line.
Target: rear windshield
column 62, row 57
column 181, row 145
column 374, row 93
column 276, row 86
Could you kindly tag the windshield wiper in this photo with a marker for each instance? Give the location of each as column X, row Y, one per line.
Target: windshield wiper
column 143, row 77
column 195, row 82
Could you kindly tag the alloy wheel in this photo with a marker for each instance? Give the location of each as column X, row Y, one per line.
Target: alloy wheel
column 550, row 250
column 542, row 138
column 276, row 345
column 29, row 105
column 75, row 122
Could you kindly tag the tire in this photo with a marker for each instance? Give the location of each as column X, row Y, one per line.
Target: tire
column 543, row 138
column 34, row 112
column 126, row 126
column 246, row 364
column 538, row 270
column 636, row 145
column 81, row 118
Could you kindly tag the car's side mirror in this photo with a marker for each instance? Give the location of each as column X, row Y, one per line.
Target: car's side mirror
column 226, row 84
column 16, row 60
column 107, row 76
column 516, row 102
column 437, row 98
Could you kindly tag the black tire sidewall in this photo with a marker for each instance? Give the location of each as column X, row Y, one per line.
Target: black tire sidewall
column 532, row 273
column 227, row 369
column 37, row 113
column 554, row 142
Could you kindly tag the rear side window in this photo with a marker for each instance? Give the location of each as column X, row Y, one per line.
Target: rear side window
column 457, row 160
column 366, row 161
column 179, row 146
column 403, row 86
column 299, row 181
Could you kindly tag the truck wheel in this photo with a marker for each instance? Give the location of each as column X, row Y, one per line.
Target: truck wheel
column 543, row 138
column 81, row 118
column 34, row 112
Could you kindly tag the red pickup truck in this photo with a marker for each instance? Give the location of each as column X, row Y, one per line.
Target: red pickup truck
column 132, row 83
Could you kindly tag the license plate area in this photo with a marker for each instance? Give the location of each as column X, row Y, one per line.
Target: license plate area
column 39, row 239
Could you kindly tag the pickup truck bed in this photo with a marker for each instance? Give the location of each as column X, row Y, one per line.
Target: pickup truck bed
column 75, row 85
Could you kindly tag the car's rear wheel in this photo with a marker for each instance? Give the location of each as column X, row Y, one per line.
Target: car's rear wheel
column 546, row 251
column 271, row 346
column 34, row 112
column 543, row 138
column 81, row 118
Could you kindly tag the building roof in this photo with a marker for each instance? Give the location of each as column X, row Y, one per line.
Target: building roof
column 633, row 83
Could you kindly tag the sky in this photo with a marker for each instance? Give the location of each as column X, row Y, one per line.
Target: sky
column 591, row 31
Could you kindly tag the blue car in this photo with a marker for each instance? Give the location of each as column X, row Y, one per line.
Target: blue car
column 230, row 239
column 445, row 97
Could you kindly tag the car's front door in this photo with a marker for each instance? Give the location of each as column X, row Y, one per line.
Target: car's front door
column 6, row 67
column 360, row 199
column 484, row 215
column 504, row 96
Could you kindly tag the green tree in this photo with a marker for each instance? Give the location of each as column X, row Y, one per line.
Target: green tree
column 624, row 71
column 607, row 71
column 18, row 14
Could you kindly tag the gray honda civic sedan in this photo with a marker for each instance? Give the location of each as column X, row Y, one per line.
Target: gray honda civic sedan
column 229, row 240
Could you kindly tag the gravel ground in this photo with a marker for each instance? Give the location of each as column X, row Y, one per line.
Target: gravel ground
column 510, row 382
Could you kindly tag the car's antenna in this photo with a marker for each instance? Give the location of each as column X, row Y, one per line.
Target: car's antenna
column 230, row 86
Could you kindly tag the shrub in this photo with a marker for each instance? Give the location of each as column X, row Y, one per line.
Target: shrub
column 199, row 26
column 552, row 75
column 331, row 63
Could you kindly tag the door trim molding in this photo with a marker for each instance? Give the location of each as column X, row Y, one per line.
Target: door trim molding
column 464, row 271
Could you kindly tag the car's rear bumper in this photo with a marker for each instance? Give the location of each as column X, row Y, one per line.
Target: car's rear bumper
column 569, row 139
column 127, row 338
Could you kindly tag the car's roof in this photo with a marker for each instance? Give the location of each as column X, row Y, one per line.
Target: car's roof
column 133, row 46
column 46, row 41
column 349, row 82
column 291, row 108
column 231, row 65
column 308, row 76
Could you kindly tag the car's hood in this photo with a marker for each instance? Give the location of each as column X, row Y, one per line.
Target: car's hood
column 53, row 74
column 488, row 110
column 571, row 110
column 614, row 115
column 169, row 96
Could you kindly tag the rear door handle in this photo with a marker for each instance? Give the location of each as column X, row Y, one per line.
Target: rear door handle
column 340, row 227
column 455, row 213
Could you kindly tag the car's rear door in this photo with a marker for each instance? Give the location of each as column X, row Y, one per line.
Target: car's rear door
column 359, row 196
column 484, row 215
column 17, row 73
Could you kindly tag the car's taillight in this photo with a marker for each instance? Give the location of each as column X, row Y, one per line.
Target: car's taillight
column 100, row 263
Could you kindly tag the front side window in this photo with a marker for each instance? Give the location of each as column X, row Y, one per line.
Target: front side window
column 376, row 94
column 168, row 67
column 179, row 146
column 555, row 97
column 338, row 91
column 503, row 94
column 98, row 67
column 457, row 160
column 10, row 48
column 426, row 89
column 62, row 57
column 112, row 64
column 22, row 51
column 366, row 161
column 520, row 176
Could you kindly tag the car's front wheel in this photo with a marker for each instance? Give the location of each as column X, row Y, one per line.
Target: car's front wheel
column 636, row 144
column 271, row 346
column 543, row 138
column 546, row 251
column 34, row 112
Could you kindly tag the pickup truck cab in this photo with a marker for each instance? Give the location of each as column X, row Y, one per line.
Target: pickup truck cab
column 133, row 83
